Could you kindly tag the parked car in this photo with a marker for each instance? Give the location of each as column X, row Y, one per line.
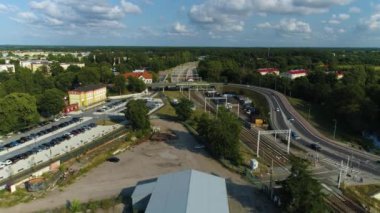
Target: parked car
column 113, row 159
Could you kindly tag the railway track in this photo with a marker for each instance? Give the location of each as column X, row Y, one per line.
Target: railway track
column 342, row 204
column 269, row 151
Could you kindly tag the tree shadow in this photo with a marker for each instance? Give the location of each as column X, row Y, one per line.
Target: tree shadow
column 186, row 141
column 125, row 196
column 250, row 198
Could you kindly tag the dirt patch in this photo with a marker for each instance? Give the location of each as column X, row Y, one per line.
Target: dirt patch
column 149, row 160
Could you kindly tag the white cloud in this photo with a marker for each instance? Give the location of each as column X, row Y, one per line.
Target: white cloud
column 265, row 25
column 337, row 19
column 26, row 17
column 227, row 15
column 7, row 8
column 288, row 26
column 343, row 16
column 130, row 7
column 76, row 16
column 294, row 26
column 3, row 8
column 373, row 23
column 180, row 29
column 354, row 10
column 320, row 3
column 331, row 30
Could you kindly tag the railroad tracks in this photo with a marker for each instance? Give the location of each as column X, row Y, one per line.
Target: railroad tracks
column 268, row 150
column 343, row 204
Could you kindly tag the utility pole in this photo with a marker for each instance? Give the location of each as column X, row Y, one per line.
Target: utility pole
column 335, row 122
column 258, row 144
column 289, row 134
column 308, row 114
column 340, row 174
column 271, row 180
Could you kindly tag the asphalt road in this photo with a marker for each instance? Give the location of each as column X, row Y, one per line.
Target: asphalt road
column 331, row 149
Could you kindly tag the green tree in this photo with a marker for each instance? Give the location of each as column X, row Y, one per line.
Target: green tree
column 64, row 81
column 17, row 110
column 136, row 85
column 89, row 75
column 137, row 115
column 222, row 135
column 51, row 102
column 184, row 109
column 73, row 68
column 119, row 84
column 302, row 193
column 55, row 68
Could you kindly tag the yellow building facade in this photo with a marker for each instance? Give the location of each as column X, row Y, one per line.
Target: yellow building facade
column 88, row 95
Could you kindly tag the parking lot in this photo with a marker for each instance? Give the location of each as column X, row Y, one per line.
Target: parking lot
column 52, row 138
column 58, row 145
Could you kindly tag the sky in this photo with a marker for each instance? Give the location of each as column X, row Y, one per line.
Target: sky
column 238, row 23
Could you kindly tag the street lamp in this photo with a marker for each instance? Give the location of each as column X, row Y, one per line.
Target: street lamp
column 335, row 122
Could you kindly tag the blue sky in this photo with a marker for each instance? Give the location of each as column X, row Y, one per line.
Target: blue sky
column 246, row 23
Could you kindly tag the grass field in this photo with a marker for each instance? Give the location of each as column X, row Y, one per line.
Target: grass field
column 168, row 110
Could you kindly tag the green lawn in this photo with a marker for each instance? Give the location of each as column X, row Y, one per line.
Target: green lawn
column 168, row 110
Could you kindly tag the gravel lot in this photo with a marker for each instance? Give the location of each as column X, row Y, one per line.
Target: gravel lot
column 147, row 160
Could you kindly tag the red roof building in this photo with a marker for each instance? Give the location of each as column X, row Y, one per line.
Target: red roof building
column 264, row 71
column 144, row 76
column 293, row 74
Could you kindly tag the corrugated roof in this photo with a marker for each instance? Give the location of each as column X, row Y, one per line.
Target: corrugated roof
column 189, row 191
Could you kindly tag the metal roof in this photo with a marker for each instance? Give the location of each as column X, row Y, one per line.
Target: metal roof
column 189, row 191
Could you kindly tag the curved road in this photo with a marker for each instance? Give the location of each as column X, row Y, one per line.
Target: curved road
column 331, row 149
